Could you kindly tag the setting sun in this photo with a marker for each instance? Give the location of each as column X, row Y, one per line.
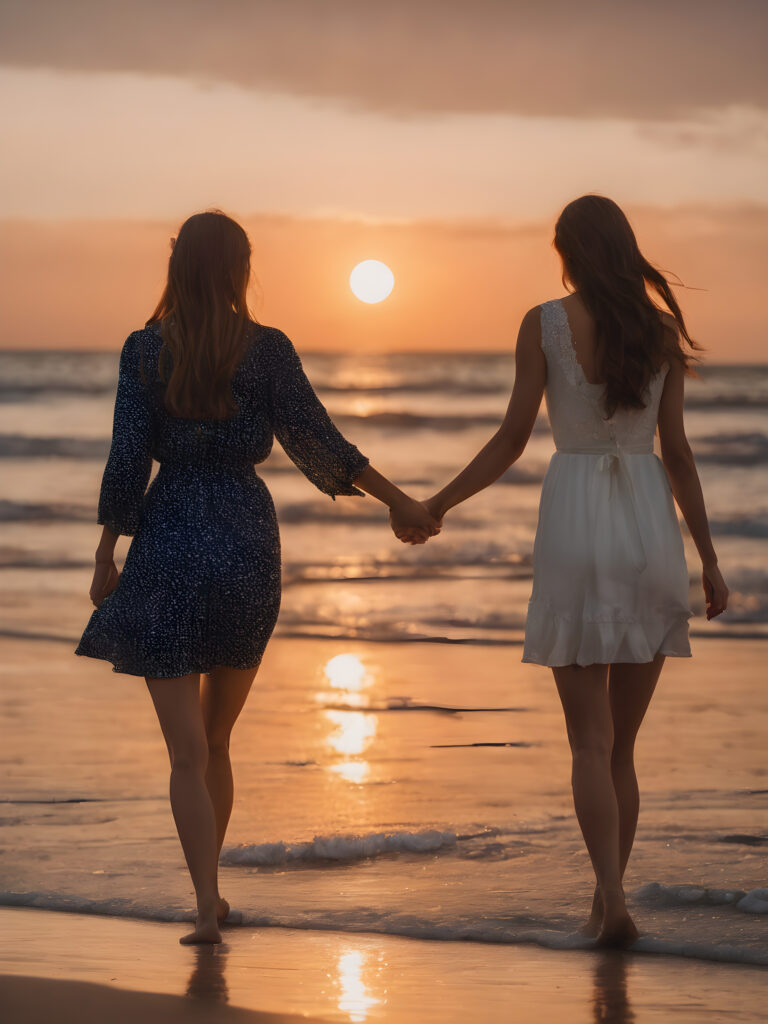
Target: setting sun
column 371, row 281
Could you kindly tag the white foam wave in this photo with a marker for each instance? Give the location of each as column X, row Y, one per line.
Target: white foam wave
column 336, row 848
column 754, row 901
column 366, row 919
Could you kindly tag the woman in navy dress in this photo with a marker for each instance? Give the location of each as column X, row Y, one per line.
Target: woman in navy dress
column 203, row 389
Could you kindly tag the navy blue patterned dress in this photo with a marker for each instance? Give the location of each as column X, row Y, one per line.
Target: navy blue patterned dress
column 200, row 586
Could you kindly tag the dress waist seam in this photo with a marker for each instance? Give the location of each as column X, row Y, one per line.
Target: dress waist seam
column 207, row 463
column 609, row 449
column 611, row 465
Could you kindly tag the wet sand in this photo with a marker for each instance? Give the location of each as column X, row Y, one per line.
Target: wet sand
column 100, row 968
column 86, row 818
column 73, row 1002
column 322, row 750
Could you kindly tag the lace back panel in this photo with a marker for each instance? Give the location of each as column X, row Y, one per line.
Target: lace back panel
column 574, row 405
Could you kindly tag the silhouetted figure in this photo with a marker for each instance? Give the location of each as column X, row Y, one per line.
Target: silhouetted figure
column 610, row 585
column 203, row 388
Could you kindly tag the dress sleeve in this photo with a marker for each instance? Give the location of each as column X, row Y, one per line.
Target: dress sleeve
column 129, row 465
column 306, row 431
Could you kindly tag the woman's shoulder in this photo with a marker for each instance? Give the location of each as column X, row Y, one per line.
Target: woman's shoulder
column 545, row 322
column 532, row 318
column 274, row 344
column 146, row 337
column 550, row 311
column 545, row 304
column 671, row 344
column 266, row 334
column 139, row 343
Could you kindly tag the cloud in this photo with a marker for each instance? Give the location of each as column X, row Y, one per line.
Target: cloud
column 123, row 144
column 599, row 58
column 724, row 131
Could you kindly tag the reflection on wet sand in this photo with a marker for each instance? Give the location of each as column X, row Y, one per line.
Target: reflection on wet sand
column 354, row 998
column 611, row 1003
column 208, row 982
column 360, row 990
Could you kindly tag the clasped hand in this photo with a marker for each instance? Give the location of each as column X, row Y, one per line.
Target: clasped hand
column 414, row 522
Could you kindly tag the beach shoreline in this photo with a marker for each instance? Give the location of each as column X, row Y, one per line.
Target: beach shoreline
column 378, row 792
column 129, row 967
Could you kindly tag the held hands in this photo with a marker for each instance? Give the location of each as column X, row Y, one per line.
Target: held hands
column 414, row 522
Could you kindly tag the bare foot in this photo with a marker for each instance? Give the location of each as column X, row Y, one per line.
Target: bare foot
column 206, row 930
column 618, row 931
column 591, row 929
column 222, row 910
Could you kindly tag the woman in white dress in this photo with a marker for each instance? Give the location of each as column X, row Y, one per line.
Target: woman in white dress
column 610, row 584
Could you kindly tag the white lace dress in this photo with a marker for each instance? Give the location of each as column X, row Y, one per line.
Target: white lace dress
column 610, row 583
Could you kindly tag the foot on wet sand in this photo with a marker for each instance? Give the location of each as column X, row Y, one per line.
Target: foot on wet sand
column 222, row 910
column 206, row 930
column 618, row 931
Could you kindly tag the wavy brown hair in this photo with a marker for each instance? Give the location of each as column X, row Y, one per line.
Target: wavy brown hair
column 203, row 313
column 603, row 262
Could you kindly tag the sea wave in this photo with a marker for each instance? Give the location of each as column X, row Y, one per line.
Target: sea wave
column 20, row 391
column 753, row 901
column 733, row 449
column 755, row 525
column 471, row 559
column 336, row 848
column 508, row 929
column 20, row 446
column 22, row 511
column 416, row 421
column 392, row 633
column 77, row 371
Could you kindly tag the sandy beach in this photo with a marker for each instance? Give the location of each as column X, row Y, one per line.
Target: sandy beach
column 96, row 968
column 87, row 829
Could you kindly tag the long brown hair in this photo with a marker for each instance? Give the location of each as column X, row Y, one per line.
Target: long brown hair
column 203, row 313
column 602, row 260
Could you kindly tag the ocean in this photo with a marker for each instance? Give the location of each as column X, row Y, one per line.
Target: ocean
column 397, row 768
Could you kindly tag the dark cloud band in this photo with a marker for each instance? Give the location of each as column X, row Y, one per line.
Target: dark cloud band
column 599, row 58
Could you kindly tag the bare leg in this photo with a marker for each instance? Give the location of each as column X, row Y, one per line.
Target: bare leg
column 177, row 702
column 584, row 696
column 630, row 689
column 223, row 695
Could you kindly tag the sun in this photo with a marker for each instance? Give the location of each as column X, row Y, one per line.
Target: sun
column 371, row 281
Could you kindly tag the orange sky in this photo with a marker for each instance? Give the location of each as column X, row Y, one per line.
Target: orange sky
column 442, row 141
column 77, row 284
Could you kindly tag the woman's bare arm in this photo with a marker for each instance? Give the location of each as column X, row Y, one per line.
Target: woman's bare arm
column 509, row 441
column 105, row 552
column 105, row 574
column 679, row 463
column 408, row 517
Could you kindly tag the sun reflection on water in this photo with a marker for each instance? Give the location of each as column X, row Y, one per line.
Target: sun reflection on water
column 347, row 672
column 353, row 730
column 352, row 771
